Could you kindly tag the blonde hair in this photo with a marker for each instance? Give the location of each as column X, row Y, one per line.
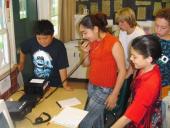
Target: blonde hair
column 128, row 15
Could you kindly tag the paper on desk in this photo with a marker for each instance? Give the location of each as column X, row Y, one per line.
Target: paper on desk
column 39, row 81
column 69, row 117
column 68, row 102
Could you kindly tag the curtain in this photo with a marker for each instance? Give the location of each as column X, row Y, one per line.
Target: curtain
column 67, row 10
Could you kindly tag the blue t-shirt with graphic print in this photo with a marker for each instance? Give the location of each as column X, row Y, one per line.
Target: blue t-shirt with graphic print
column 164, row 62
column 47, row 61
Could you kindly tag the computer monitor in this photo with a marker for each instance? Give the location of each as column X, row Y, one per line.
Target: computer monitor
column 5, row 119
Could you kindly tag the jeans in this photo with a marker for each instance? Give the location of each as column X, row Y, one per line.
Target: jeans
column 95, row 107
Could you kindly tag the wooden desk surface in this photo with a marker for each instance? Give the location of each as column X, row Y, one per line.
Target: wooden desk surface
column 49, row 105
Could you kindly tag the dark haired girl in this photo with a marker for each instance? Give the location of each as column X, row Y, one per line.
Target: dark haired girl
column 105, row 57
column 145, row 51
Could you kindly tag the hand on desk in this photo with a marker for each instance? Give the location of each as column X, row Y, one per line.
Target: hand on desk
column 67, row 87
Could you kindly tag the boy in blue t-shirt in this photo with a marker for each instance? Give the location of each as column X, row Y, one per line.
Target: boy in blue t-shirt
column 48, row 55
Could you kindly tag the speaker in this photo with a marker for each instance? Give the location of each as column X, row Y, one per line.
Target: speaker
column 40, row 120
column 18, row 109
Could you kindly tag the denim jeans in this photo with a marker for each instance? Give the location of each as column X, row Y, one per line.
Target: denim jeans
column 95, row 107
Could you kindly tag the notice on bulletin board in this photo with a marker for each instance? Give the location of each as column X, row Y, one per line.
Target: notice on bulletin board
column 81, row 8
column 141, row 13
column 146, row 3
column 167, row 5
column 117, row 5
column 165, row 1
column 94, row 7
column 157, row 6
column 106, row 7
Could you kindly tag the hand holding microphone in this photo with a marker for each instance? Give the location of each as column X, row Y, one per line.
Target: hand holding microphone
column 85, row 47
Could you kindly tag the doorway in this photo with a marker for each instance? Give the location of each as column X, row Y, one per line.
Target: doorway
column 24, row 14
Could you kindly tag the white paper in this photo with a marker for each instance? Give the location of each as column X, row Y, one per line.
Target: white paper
column 69, row 102
column 69, row 117
column 5, row 85
column 40, row 81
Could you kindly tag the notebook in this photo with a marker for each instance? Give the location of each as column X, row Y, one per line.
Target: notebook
column 68, row 102
column 69, row 117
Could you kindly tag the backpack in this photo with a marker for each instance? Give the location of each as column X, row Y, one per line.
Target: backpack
column 112, row 115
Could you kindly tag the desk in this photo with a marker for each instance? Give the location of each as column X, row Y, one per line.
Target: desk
column 49, row 105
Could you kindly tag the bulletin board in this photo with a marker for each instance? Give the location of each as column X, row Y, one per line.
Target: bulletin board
column 144, row 9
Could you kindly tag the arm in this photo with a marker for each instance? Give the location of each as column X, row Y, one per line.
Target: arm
column 130, row 71
column 121, row 122
column 118, row 54
column 86, row 58
column 21, row 61
column 63, row 76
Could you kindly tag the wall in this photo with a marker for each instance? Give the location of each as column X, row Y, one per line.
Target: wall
column 144, row 9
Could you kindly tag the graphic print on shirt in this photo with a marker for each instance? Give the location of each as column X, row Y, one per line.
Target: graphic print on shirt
column 164, row 62
column 42, row 64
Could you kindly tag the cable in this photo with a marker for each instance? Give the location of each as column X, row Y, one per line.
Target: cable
column 69, row 74
column 29, row 120
column 74, row 68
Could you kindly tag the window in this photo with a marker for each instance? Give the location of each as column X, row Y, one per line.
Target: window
column 4, row 53
column 22, row 9
column 54, row 15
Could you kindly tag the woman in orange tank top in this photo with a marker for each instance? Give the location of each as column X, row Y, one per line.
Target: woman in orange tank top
column 105, row 57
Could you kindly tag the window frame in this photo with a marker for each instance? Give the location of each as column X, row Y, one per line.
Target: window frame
column 8, row 31
column 54, row 17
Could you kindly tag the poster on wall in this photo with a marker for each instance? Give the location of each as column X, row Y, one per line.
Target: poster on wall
column 106, row 7
column 168, row 5
column 165, row 1
column 157, row 6
column 141, row 13
column 94, row 7
column 117, row 5
column 81, row 8
column 146, row 3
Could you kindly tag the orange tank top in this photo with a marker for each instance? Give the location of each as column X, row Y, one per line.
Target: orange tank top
column 103, row 68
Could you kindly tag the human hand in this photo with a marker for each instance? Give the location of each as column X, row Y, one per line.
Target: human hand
column 20, row 67
column 67, row 87
column 85, row 47
column 111, row 101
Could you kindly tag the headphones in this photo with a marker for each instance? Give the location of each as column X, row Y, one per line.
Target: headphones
column 40, row 120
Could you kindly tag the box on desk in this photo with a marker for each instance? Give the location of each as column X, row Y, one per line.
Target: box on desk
column 36, row 87
column 9, row 84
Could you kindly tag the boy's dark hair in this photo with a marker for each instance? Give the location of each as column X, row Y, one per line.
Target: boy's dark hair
column 44, row 27
column 99, row 20
column 164, row 13
column 147, row 45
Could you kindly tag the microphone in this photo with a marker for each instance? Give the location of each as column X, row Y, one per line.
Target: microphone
column 80, row 40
